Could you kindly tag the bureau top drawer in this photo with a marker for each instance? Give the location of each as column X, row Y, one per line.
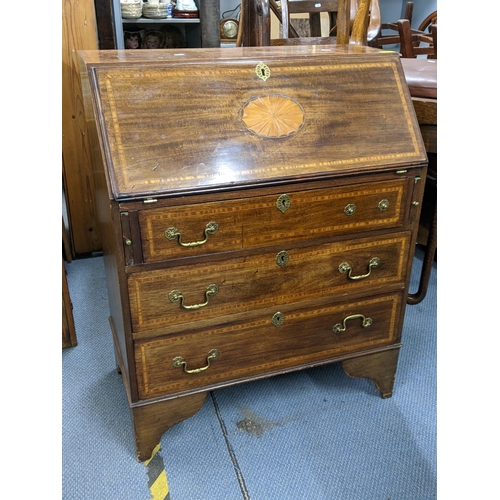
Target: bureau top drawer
column 198, row 229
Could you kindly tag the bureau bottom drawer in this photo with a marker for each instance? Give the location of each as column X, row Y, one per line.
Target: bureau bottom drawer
column 272, row 341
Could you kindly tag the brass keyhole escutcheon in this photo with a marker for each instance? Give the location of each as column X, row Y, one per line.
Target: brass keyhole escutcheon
column 283, row 203
column 350, row 209
column 277, row 319
column 383, row 205
column 282, row 258
column 262, row 71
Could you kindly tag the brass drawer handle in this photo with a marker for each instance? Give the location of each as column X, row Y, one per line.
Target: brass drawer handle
column 172, row 232
column 341, row 327
column 176, row 295
column 179, row 361
column 344, row 267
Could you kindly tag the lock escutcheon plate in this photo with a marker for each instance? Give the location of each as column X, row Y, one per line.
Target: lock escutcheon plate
column 282, row 258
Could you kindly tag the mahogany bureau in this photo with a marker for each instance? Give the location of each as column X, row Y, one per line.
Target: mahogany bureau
column 258, row 209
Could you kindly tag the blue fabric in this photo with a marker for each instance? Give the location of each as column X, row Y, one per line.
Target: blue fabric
column 313, row 434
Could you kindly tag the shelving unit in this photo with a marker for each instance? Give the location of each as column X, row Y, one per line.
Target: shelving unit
column 199, row 32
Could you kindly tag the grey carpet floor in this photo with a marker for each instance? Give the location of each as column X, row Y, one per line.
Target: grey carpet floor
column 314, row 434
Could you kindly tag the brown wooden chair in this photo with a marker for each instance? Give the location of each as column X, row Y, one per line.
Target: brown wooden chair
column 412, row 42
column 255, row 21
column 388, row 33
column 313, row 9
column 354, row 21
column 416, row 42
column 428, row 22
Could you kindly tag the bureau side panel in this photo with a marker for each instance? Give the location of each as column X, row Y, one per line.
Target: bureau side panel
column 109, row 227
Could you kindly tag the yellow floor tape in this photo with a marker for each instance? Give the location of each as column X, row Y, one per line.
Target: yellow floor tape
column 157, row 476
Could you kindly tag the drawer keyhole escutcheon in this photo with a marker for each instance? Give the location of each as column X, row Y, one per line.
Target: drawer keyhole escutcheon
column 383, row 205
column 341, row 327
column 178, row 361
column 350, row 209
column 345, row 266
column 282, row 258
column 283, row 203
column 262, row 71
column 172, row 232
column 277, row 319
column 176, row 295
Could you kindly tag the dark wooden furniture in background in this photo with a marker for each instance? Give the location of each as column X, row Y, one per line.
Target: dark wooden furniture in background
column 68, row 323
column 421, row 77
column 415, row 42
column 312, row 8
column 353, row 22
column 268, row 229
column 105, row 24
column 388, row 33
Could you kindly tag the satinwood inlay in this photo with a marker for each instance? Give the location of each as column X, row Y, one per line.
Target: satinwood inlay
column 273, row 116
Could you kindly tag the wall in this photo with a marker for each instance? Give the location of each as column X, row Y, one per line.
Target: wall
column 228, row 5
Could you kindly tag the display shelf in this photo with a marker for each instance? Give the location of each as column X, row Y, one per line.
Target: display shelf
column 163, row 20
column 194, row 29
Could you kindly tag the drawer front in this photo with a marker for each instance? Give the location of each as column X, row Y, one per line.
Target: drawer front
column 253, row 222
column 234, row 351
column 173, row 296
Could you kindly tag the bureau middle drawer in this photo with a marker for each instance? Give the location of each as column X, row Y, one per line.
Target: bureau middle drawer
column 272, row 340
column 173, row 296
column 251, row 222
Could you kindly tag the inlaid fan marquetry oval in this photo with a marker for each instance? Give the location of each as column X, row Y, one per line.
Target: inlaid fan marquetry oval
column 273, row 116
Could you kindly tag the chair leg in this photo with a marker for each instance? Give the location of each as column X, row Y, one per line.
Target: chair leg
column 430, row 250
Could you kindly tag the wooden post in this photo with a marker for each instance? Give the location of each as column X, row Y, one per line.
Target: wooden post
column 209, row 19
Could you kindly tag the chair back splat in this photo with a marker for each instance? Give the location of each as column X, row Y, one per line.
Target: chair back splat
column 349, row 21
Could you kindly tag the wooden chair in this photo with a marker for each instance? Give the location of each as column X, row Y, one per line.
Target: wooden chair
column 388, row 33
column 428, row 21
column 255, row 21
column 416, row 42
column 357, row 21
column 313, row 9
column 412, row 42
